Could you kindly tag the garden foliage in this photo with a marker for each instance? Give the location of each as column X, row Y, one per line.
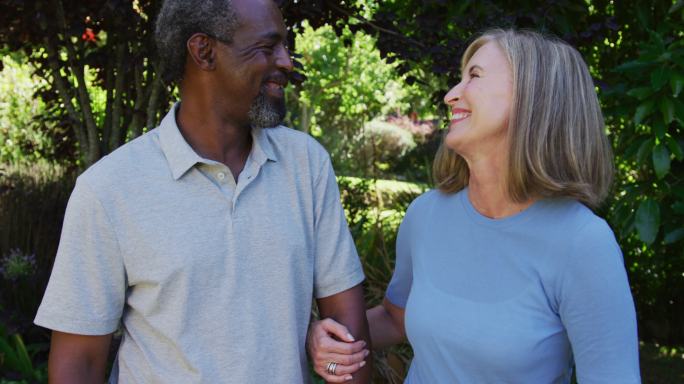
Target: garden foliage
column 642, row 96
column 375, row 76
column 348, row 85
column 21, row 137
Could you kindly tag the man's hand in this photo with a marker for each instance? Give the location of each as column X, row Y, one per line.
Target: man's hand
column 324, row 348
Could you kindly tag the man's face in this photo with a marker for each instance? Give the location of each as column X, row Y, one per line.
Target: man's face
column 253, row 68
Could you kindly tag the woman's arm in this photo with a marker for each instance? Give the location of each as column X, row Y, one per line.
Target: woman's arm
column 597, row 310
column 386, row 323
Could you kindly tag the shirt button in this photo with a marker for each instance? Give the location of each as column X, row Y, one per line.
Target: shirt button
column 221, row 175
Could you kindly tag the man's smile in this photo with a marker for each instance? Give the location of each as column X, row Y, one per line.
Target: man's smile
column 275, row 84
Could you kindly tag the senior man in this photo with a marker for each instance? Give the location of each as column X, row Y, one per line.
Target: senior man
column 205, row 239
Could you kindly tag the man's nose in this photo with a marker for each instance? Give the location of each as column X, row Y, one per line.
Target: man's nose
column 284, row 59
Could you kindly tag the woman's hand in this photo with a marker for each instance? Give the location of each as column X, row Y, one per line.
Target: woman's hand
column 335, row 360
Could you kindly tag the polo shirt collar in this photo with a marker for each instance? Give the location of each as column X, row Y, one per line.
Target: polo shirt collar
column 178, row 152
column 181, row 157
column 262, row 149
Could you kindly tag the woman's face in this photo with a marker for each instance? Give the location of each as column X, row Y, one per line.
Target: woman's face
column 480, row 104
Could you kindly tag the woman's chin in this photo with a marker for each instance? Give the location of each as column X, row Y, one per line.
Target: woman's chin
column 455, row 139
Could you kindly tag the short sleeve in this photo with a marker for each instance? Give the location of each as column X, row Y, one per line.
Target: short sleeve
column 336, row 266
column 400, row 286
column 597, row 310
column 86, row 291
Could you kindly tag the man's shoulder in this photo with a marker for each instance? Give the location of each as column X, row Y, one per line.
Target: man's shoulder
column 286, row 135
column 139, row 155
column 291, row 142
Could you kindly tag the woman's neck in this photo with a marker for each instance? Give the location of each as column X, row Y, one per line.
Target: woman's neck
column 487, row 189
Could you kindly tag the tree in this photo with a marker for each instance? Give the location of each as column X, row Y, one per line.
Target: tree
column 94, row 44
column 432, row 35
column 348, row 84
column 99, row 59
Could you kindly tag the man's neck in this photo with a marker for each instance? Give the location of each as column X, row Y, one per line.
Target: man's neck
column 214, row 137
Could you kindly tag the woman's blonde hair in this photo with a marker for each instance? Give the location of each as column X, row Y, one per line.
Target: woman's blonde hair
column 557, row 143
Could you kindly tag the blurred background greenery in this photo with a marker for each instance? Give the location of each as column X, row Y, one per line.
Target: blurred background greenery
column 75, row 85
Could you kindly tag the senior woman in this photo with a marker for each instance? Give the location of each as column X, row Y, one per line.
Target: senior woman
column 503, row 274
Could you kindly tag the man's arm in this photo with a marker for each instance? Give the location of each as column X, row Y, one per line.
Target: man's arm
column 328, row 340
column 76, row 359
column 349, row 309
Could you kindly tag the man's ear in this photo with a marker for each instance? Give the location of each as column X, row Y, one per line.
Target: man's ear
column 201, row 49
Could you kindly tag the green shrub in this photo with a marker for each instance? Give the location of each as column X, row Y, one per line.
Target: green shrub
column 32, row 203
column 17, row 360
column 348, row 84
column 22, row 137
column 384, row 144
column 645, row 113
column 374, row 210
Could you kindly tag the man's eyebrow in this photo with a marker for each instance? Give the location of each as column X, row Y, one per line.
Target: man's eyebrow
column 273, row 36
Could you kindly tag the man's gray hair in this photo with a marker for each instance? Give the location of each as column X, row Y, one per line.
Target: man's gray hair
column 180, row 19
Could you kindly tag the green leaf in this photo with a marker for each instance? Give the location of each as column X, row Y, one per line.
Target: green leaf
column 679, row 192
column 632, row 149
column 676, row 83
column 659, row 128
column 659, row 77
column 664, row 57
column 641, row 14
column 674, row 236
column 10, row 359
column 643, row 110
column 667, row 109
column 641, row 92
column 678, row 207
column 676, row 6
column 675, row 148
column 656, row 41
column 648, row 220
column 661, row 160
column 634, row 65
column 25, row 364
column 679, row 110
column 645, row 148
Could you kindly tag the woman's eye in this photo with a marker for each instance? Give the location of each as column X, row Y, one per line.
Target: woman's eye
column 474, row 75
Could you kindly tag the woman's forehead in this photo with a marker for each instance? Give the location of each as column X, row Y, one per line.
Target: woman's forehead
column 489, row 56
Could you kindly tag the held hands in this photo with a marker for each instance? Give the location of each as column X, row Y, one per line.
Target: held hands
column 325, row 348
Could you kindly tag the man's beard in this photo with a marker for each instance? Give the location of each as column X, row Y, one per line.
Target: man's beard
column 266, row 112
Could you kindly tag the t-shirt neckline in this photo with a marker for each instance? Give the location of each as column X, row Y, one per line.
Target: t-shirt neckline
column 507, row 221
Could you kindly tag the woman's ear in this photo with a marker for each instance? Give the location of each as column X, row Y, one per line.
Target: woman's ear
column 201, row 51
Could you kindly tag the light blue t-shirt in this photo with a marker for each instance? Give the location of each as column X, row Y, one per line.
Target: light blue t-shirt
column 513, row 300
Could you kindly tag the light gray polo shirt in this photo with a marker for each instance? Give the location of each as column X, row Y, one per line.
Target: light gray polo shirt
column 211, row 280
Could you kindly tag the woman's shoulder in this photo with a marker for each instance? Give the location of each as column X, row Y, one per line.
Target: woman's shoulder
column 430, row 199
column 584, row 235
column 570, row 216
